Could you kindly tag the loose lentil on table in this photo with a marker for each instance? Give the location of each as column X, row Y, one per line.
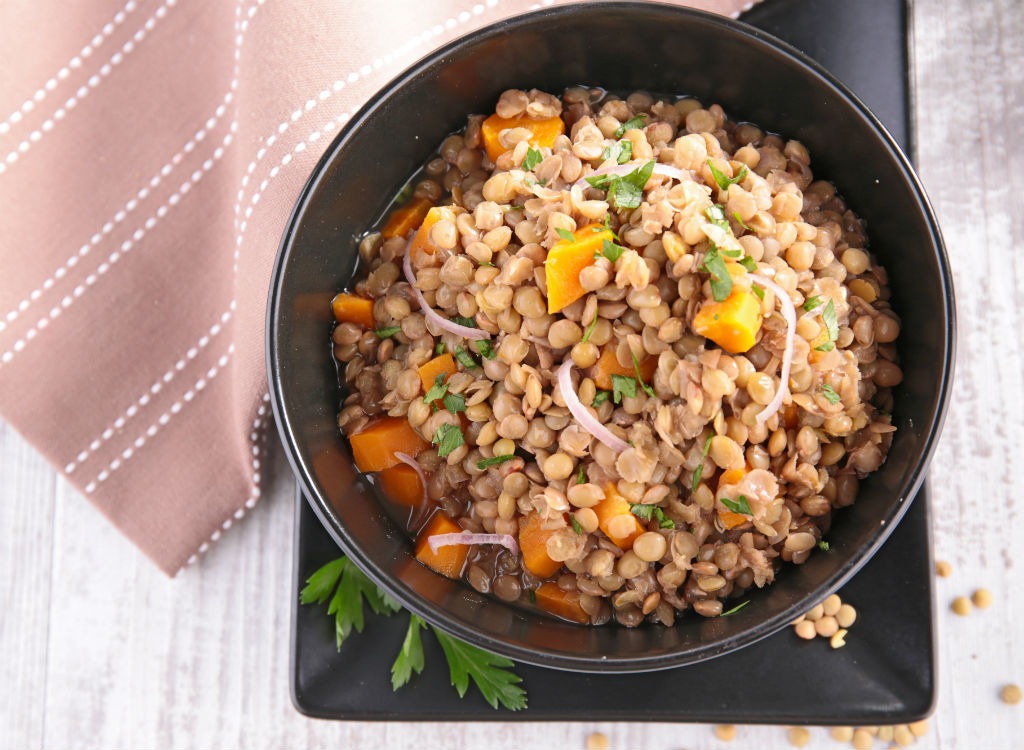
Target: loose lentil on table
column 700, row 500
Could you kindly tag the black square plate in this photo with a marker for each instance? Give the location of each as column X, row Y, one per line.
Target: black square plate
column 884, row 675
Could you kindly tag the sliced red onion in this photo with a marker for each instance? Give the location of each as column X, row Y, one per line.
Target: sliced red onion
column 405, row 458
column 474, row 334
column 789, row 313
column 466, row 537
column 582, row 414
column 666, row 170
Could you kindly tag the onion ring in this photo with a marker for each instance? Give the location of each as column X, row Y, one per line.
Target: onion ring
column 465, row 537
column 789, row 313
column 474, row 334
column 583, row 416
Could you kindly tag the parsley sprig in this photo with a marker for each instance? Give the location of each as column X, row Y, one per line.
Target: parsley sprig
column 723, row 181
column 621, row 152
column 625, row 191
column 348, row 590
column 699, row 472
column 739, row 505
column 447, row 439
column 647, row 512
column 634, row 123
column 828, row 317
column 533, row 158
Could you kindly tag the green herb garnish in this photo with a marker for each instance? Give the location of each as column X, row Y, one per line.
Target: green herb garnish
column 823, row 546
column 623, row 385
column 612, row 251
column 639, row 378
column 735, row 609
column 828, row 317
column 439, row 349
column 830, row 394
column 576, row 525
column 566, row 235
column 386, row 333
column 590, row 330
column 627, row 191
column 410, row 659
column 533, row 158
column 757, row 290
column 447, row 438
column 454, row 402
column 736, row 215
column 723, row 181
column 748, row 263
column 647, row 512
column 491, row 673
column 811, row 302
column 716, row 215
column 484, row 348
column 464, row 321
column 347, row 588
column 739, row 505
column 700, row 469
column 464, row 358
column 621, row 152
column 634, row 123
column 600, row 397
column 721, row 281
column 484, row 463
column 437, row 390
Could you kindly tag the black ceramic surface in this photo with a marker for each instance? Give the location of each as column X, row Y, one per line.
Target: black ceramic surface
column 686, row 52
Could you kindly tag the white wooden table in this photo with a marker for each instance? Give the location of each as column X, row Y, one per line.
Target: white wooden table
column 99, row 650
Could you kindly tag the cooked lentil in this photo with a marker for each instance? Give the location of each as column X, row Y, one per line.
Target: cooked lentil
column 726, row 494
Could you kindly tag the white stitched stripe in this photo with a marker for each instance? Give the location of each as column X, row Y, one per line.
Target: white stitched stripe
column 92, row 83
column 162, row 421
column 65, row 71
column 116, row 255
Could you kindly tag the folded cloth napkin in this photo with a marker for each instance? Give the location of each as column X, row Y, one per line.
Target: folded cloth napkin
column 150, row 152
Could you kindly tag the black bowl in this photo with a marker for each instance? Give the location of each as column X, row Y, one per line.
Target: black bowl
column 622, row 47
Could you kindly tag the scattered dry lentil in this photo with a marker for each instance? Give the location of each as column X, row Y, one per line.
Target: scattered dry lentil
column 841, row 734
column 982, row 598
column 1010, row 694
column 597, row 741
column 943, row 569
column 725, row 732
column 799, row 736
column 862, row 739
column 839, row 639
column 962, row 606
column 831, row 619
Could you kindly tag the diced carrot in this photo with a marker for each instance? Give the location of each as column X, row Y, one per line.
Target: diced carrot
column 545, row 131
column 421, row 240
column 565, row 604
column 402, row 484
column 348, row 308
column 567, row 259
column 732, row 323
column 443, row 363
column 448, row 560
column 731, row 520
column 406, row 218
column 374, row 448
column 732, row 476
column 533, row 541
column 609, row 511
column 608, row 365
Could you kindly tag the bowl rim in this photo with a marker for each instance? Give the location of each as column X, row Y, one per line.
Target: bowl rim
column 598, row 663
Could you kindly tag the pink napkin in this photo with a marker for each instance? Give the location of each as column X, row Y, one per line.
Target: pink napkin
column 150, row 152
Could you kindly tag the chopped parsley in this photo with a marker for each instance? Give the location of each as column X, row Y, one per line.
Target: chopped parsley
column 464, row 321
column 533, row 158
column 748, row 263
column 632, row 124
column 622, row 385
column 721, row 281
column 739, row 505
column 484, row 348
column 437, row 390
column 440, row 348
column 590, row 330
column 830, row 394
column 639, row 378
column 566, row 235
column 700, row 469
column 828, row 317
column 647, row 512
column 824, row 546
column 812, row 302
column 581, row 478
column 735, row 609
column 716, row 215
column 621, row 152
column 447, row 438
column 576, row 525
column 757, row 290
column 484, row 463
column 386, row 333
column 600, row 397
column 454, row 402
column 612, row 251
column 736, row 215
column 723, row 181
column 465, row 358
column 625, row 191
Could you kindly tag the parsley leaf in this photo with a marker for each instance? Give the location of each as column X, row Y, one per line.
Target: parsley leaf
column 533, row 158
column 735, row 609
column 319, row 586
column 823, row 546
column 647, row 512
column 748, row 263
column 581, row 478
column 590, row 330
column 736, row 215
column 576, row 525
column 621, row 152
column 484, row 463
column 622, row 385
column 828, row 317
column 627, row 191
column 491, row 673
column 447, row 438
column 639, row 378
column 739, row 505
column 351, row 589
column 454, row 402
column 465, row 358
column 410, row 659
column 386, row 333
column 631, row 124
column 700, row 469
column 721, row 281
column 716, row 215
column 830, row 394
column 600, row 181
column 612, row 251
column 484, row 348
column 464, row 321
column 812, row 302
column 757, row 290
column 723, row 181
column 566, row 235
column 600, row 397
column 437, row 390
column 439, row 349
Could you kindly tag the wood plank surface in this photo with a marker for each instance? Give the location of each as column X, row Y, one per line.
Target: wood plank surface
column 99, row 650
